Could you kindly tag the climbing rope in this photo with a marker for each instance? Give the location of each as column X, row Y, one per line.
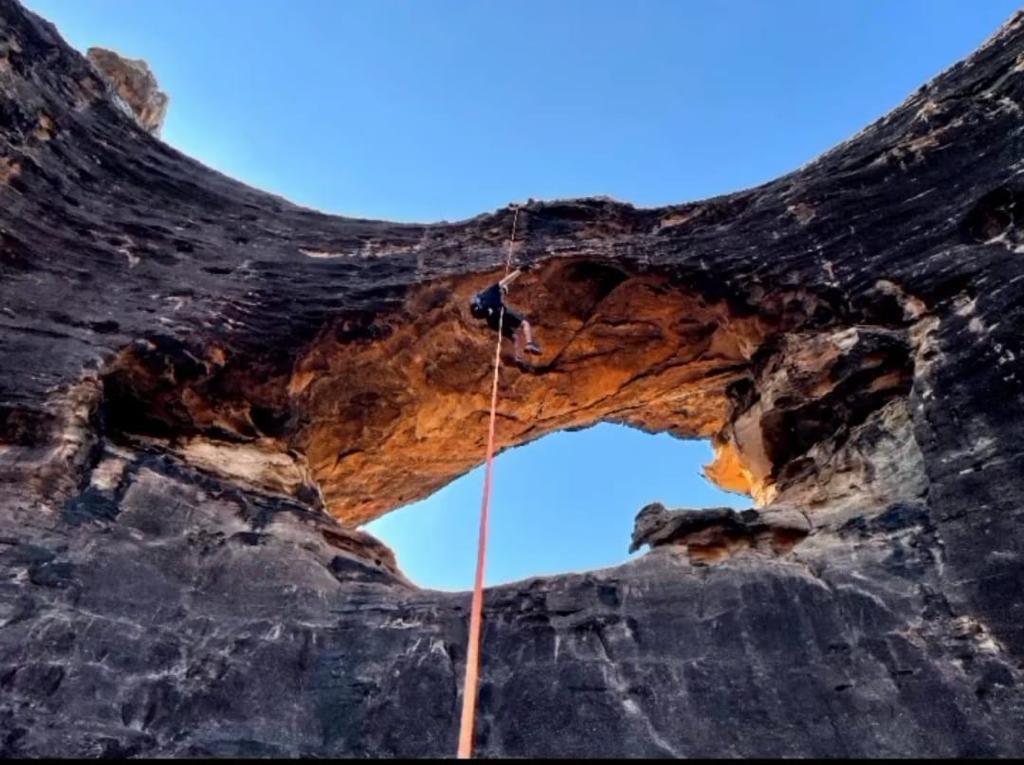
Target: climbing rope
column 470, row 686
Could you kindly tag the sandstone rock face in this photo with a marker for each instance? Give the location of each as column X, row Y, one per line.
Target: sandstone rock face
column 205, row 389
column 718, row 533
column 133, row 84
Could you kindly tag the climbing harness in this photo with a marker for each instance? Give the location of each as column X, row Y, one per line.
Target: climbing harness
column 469, row 687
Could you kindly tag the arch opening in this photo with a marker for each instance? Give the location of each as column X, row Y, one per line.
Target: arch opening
column 802, row 398
column 563, row 503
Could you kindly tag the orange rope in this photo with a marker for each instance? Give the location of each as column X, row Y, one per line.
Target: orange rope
column 470, row 686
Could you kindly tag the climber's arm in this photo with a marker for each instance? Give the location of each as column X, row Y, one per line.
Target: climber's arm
column 509, row 279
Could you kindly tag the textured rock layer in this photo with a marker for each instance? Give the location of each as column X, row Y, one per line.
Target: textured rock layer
column 205, row 388
column 132, row 84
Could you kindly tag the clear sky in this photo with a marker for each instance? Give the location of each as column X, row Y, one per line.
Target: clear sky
column 563, row 503
column 441, row 109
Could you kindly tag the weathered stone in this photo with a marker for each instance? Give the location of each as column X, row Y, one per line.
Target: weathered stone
column 133, row 85
column 714, row 534
column 204, row 388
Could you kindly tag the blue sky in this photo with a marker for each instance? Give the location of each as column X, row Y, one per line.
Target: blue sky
column 441, row 109
column 565, row 502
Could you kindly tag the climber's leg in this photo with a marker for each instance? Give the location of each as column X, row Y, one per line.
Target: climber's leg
column 527, row 333
column 518, row 347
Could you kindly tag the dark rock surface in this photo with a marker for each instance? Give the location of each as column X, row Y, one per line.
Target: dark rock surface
column 175, row 346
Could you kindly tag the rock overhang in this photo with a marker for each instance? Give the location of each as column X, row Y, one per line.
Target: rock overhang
column 376, row 411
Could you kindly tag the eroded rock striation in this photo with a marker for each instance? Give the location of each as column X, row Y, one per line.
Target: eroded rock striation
column 205, row 390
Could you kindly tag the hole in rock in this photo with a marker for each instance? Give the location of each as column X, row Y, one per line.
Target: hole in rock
column 363, row 412
column 565, row 502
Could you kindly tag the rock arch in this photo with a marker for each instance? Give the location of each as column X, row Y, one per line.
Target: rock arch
column 193, row 370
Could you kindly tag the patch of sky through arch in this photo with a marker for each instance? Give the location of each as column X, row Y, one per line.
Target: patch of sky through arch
column 565, row 502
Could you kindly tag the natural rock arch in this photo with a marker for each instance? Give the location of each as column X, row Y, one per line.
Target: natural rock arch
column 374, row 412
column 193, row 368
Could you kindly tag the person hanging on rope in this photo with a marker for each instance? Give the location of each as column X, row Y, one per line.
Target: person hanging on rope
column 488, row 303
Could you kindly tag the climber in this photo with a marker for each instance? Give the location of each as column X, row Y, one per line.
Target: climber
column 488, row 304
